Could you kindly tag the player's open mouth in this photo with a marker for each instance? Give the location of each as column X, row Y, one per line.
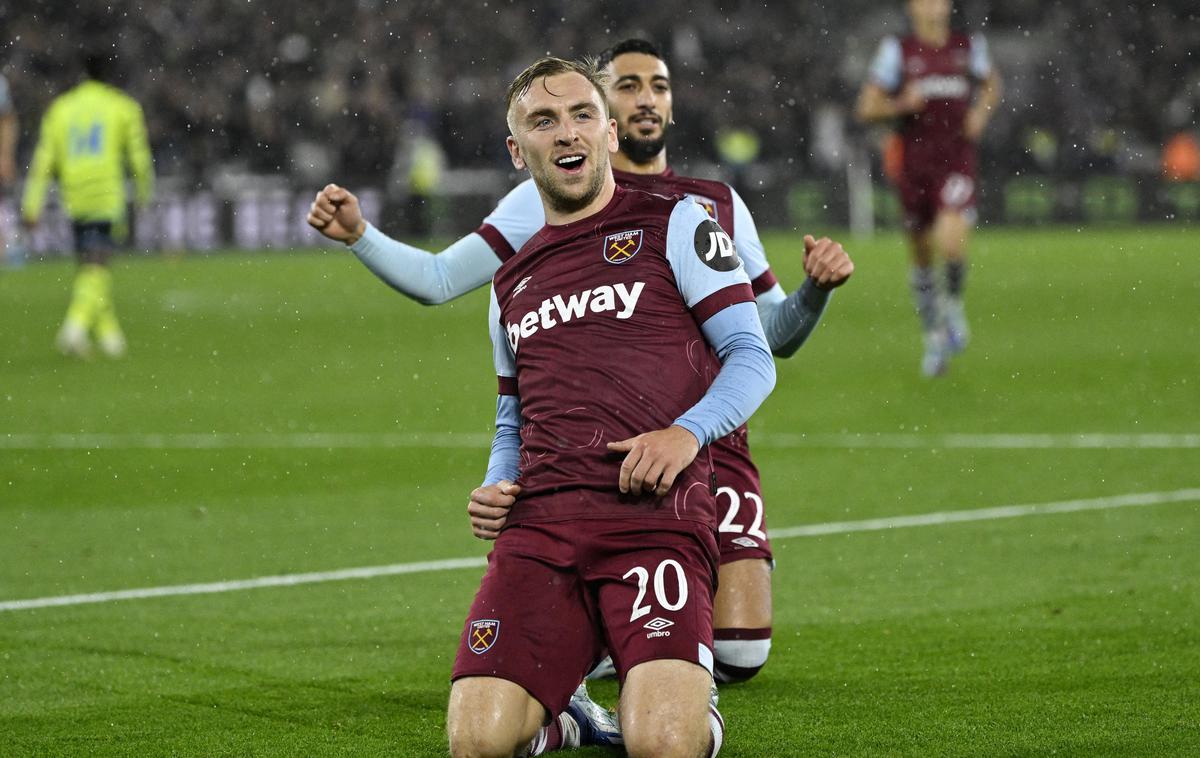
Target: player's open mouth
column 646, row 122
column 571, row 164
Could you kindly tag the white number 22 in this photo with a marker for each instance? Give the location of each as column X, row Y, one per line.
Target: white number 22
column 735, row 504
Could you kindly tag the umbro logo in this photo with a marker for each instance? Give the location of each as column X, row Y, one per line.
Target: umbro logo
column 658, row 623
column 744, row 542
column 658, row 627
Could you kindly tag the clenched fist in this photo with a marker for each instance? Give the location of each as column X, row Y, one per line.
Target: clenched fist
column 335, row 213
column 826, row 263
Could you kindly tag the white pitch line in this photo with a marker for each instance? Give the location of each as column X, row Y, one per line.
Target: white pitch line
column 225, row 441
column 482, row 440
column 987, row 514
column 285, row 580
column 812, row 530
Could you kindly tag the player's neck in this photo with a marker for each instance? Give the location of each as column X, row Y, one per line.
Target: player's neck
column 656, row 165
column 932, row 36
column 555, row 217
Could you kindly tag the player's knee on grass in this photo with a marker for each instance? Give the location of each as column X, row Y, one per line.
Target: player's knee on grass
column 490, row 717
column 739, row 654
column 665, row 710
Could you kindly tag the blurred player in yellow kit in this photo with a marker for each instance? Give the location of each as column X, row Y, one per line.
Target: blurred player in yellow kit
column 90, row 136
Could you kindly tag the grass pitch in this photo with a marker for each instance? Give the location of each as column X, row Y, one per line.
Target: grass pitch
column 287, row 413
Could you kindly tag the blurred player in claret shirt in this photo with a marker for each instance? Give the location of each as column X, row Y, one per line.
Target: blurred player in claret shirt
column 640, row 98
column 626, row 340
column 939, row 87
column 8, row 151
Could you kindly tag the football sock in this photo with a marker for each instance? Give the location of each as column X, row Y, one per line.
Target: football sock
column 106, row 314
column 560, row 734
column 925, row 296
column 85, row 292
column 738, row 654
column 716, row 725
column 956, row 278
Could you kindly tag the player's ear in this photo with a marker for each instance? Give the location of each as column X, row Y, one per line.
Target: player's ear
column 613, row 143
column 514, row 152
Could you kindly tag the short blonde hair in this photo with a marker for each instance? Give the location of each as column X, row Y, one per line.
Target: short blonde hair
column 551, row 66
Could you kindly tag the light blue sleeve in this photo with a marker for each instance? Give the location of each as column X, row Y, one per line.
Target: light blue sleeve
column 519, row 215
column 885, row 66
column 6, row 103
column 429, row 278
column 505, row 457
column 746, row 377
column 695, row 277
column 789, row 320
column 981, row 60
column 745, row 236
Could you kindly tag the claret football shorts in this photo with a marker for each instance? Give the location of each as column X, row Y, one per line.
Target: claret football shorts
column 556, row 595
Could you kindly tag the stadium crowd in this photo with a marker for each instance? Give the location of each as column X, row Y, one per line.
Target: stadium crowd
column 268, row 86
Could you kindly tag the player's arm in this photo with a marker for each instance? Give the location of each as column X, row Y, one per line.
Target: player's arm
column 141, row 164
column 788, row 320
column 987, row 96
column 430, row 278
column 42, row 168
column 8, row 135
column 881, row 97
column 489, row 503
column 8, row 147
column 714, row 285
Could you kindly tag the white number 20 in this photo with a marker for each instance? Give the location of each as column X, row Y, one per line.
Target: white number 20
column 735, row 504
column 660, row 588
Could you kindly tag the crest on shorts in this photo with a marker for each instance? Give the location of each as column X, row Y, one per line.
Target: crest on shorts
column 621, row 247
column 708, row 204
column 482, row 634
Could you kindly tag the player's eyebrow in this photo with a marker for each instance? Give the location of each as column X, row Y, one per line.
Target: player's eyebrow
column 579, row 106
column 638, row 78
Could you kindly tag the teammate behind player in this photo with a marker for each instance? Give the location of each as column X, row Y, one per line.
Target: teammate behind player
column 640, row 99
column 595, row 325
column 89, row 137
column 940, row 88
column 8, row 154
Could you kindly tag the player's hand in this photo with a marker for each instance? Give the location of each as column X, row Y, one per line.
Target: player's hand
column 8, row 171
column 654, row 459
column 335, row 213
column 826, row 263
column 974, row 124
column 489, row 507
column 910, row 100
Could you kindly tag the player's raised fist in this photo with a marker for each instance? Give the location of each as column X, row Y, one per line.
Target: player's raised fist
column 826, row 263
column 335, row 213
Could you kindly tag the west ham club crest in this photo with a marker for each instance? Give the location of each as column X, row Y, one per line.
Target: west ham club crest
column 482, row 635
column 707, row 203
column 621, row 247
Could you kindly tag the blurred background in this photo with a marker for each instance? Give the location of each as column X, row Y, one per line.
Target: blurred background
column 252, row 106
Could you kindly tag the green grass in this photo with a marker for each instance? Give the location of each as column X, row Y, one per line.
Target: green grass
column 1072, row 634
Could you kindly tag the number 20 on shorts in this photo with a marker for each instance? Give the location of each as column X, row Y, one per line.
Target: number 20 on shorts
column 660, row 588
